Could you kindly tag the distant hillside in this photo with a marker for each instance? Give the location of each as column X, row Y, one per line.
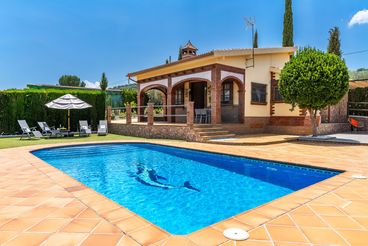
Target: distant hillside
column 134, row 86
column 361, row 73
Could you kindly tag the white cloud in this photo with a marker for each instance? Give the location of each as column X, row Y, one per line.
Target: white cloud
column 92, row 84
column 361, row 17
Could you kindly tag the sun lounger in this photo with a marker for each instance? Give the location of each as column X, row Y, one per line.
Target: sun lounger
column 102, row 128
column 49, row 131
column 84, row 129
column 28, row 131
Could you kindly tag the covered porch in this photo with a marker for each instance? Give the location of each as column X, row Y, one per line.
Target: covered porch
column 217, row 92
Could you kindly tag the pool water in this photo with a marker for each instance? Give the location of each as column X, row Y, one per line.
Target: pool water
column 179, row 190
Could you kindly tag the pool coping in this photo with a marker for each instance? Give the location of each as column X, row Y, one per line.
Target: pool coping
column 121, row 216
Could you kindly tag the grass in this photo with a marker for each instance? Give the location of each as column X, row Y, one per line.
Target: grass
column 15, row 142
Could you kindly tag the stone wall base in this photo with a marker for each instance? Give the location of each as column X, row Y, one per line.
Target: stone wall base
column 331, row 128
column 155, row 131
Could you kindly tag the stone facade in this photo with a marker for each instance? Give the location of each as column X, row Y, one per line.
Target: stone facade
column 155, row 131
column 337, row 113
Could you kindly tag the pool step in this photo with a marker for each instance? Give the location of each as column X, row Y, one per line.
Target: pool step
column 208, row 132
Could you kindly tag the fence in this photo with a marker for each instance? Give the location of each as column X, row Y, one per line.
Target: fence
column 358, row 108
column 152, row 113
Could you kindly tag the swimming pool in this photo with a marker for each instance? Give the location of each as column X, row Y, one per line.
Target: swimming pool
column 177, row 189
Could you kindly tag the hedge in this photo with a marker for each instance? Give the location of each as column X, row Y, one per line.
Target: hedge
column 29, row 105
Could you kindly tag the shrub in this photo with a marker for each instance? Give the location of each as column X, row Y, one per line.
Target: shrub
column 29, row 104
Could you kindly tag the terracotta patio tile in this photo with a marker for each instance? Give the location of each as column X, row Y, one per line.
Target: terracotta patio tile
column 207, row 236
column 88, row 214
column 286, row 234
column 282, row 220
column 6, row 236
column 362, row 220
column 356, row 208
column 270, row 211
column 148, row 235
column 259, row 233
column 28, row 239
column 131, row 223
column 75, row 203
column 118, row 214
column 252, row 218
column 81, row 225
column 302, row 210
column 229, row 223
column 39, row 212
column 102, row 239
column 342, row 222
column 326, row 210
column 355, row 237
column 67, row 239
column 127, row 241
column 248, row 242
column 66, row 212
column 19, row 224
column 49, row 225
column 177, row 240
column 308, row 220
column 106, row 227
column 323, row 236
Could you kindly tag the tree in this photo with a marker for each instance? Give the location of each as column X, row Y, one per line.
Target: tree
column 180, row 56
column 334, row 43
column 129, row 96
column 255, row 40
column 83, row 84
column 69, row 80
column 104, row 83
column 288, row 32
column 313, row 80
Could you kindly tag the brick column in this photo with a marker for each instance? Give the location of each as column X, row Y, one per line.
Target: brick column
column 190, row 114
column 169, row 101
column 108, row 114
column 216, row 96
column 150, row 114
column 128, row 114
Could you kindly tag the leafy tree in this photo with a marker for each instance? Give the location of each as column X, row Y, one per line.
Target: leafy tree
column 334, row 43
column 288, row 32
column 83, row 84
column 313, row 80
column 104, row 83
column 255, row 40
column 69, row 80
column 167, row 61
column 129, row 96
column 180, row 56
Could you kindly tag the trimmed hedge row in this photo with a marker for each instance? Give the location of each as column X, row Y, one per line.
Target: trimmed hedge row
column 29, row 104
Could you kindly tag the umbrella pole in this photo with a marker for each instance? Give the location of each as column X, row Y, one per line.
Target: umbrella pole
column 68, row 119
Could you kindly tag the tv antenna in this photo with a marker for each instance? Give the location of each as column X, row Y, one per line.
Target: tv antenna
column 250, row 23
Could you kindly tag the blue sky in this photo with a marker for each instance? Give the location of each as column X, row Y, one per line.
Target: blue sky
column 42, row 40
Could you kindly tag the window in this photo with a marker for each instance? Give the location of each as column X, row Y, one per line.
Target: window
column 276, row 95
column 227, row 93
column 259, row 93
column 179, row 96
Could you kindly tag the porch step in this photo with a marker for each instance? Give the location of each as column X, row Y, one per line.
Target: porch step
column 220, row 136
column 207, row 132
column 211, row 133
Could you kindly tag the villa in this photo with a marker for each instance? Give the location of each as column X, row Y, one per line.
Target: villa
column 236, row 86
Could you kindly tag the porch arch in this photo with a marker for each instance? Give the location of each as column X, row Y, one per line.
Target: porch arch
column 141, row 98
column 233, row 112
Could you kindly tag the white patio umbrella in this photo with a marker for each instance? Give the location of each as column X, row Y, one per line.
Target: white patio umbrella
column 68, row 102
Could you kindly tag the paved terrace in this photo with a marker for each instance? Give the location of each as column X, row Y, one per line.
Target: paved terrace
column 41, row 205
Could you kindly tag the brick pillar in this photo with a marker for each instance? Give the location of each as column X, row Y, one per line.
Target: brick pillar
column 164, row 106
column 150, row 114
column 108, row 114
column 169, row 101
column 128, row 114
column 216, row 96
column 190, row 114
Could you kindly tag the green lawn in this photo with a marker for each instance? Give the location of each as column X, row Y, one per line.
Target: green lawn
column 15, row 142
